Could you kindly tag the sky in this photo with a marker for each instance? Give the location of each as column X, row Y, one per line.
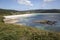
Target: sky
column 29, row 4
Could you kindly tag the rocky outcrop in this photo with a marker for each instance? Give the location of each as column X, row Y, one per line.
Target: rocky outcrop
column 45, row 22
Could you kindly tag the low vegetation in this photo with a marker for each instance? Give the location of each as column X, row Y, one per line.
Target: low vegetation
column 17, row 32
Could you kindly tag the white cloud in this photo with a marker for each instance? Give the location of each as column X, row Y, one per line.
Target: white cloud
column 48, row 0
column 45, row 2
column 25, row 2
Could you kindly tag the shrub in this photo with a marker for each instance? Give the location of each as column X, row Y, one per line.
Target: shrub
column 1, row 19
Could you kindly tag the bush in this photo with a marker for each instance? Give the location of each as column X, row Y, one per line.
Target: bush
column 1, row 19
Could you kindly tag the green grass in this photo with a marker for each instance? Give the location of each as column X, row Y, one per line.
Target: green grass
column 17, row 32
column 1, row 18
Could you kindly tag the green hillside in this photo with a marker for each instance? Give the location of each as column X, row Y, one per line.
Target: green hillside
column 7, row 12
column 14, row 12
column 17, row 32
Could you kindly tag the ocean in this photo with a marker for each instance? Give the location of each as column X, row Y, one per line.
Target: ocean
column 29, row 21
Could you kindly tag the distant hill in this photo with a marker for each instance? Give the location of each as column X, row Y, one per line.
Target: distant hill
column 12, row 12
column 7, row 12
column 45, row 11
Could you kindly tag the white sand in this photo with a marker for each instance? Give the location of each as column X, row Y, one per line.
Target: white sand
column 22, row 15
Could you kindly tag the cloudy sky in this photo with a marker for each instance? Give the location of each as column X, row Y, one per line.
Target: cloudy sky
column 29, row 4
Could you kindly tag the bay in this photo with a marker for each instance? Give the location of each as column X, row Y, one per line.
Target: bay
column 28, row 21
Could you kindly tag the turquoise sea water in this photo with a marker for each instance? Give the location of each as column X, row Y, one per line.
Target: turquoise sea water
column 42, row 16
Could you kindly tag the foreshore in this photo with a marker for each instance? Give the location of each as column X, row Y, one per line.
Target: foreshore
column 14, row 18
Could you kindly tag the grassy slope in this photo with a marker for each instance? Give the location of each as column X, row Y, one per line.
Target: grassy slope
column 17, row 32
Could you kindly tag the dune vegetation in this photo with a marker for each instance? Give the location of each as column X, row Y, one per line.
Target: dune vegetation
column 18, row 32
